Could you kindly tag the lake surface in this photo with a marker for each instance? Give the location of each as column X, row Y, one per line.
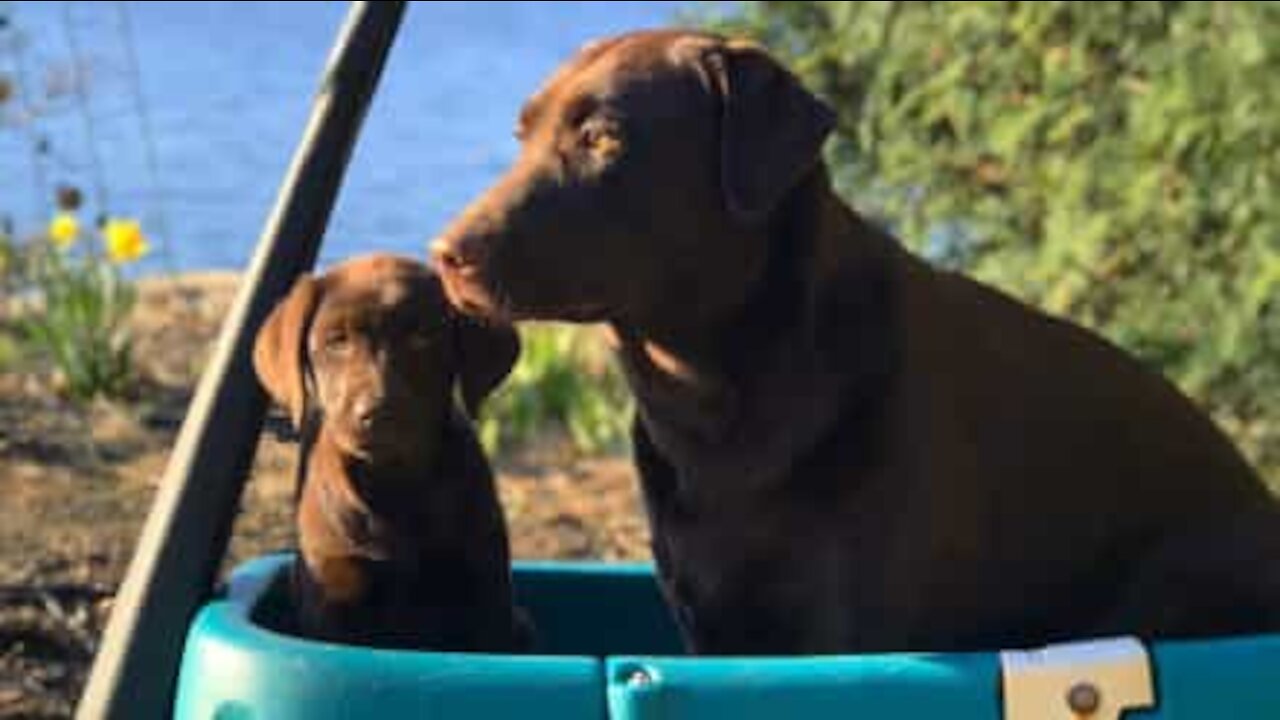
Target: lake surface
column 224, row 89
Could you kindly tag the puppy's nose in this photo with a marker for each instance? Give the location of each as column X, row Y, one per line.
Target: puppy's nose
column 459, row 253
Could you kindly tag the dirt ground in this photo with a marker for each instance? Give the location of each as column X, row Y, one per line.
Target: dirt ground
column 76, row 483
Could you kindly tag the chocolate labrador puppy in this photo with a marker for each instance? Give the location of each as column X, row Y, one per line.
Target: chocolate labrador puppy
column 402, row 540
column 841, row 447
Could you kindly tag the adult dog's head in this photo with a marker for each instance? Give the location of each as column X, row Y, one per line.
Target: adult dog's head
column 650, row 166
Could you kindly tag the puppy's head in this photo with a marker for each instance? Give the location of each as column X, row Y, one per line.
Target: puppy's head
column 650, row 165
column 374, row 345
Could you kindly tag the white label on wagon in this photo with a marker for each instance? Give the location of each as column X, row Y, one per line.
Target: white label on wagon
column 1093, row 680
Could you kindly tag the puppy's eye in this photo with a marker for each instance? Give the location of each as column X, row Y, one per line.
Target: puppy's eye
column 336, row 342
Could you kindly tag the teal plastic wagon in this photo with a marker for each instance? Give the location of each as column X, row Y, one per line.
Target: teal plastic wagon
column 607, row 649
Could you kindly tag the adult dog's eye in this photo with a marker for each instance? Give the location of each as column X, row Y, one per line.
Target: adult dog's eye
column 601, row 138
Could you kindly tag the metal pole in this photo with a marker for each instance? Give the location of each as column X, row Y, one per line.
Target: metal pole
column 186, row 532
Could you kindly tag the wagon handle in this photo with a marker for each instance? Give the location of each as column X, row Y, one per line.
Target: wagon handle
column 185, row 535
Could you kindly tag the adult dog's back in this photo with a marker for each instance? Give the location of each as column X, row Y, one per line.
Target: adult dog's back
column 1102, row 499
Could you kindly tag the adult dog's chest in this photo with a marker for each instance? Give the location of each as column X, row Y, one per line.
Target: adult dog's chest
column 747, row 574
column 754, row 498
column 748, row 431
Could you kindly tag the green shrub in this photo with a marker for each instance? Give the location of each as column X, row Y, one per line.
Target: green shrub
column 8, row 351
column 566, row 380
column 80, row 302
column 80, row 323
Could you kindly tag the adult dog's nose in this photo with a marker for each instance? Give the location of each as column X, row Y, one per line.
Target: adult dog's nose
column 462, row 254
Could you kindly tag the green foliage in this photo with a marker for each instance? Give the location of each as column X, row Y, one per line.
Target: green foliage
column 565, row 380
column 10, row 285
column 9, row 262
column 1114, row 162
column 80, row 320
column 8, row 351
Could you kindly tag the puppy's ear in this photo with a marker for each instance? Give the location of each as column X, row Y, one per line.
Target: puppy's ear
column 771, row 127
column 280, row 346
column 486, row 353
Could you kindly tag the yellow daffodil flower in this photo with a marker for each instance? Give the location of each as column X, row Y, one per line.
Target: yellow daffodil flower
column 124, row 240
column 64, row 229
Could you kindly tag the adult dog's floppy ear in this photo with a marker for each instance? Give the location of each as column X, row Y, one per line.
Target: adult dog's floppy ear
column 771, row 127
column 278, row 351
column 486, row 353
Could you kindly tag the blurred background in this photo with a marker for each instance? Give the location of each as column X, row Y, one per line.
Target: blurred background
column 1117, row 163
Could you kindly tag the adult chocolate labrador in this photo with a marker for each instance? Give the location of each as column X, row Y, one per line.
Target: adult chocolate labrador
column 841, row 447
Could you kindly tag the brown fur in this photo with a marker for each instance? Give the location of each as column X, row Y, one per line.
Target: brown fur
column 402, row 541
column 841, row 447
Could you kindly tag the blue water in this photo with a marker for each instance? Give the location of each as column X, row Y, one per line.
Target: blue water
column 227, row 87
